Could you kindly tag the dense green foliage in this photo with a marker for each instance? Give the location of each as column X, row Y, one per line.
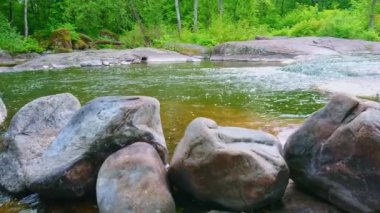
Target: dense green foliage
column 154, row 23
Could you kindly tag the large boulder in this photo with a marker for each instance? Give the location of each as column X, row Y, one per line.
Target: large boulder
column 37, row 124
column 134, row 180
column 239, row 169
column 69, row 167
column 3, row 112
column 33, row 128
column 335, row 154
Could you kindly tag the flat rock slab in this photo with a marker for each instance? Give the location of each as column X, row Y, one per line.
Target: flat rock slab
column 296, row 49
column 104, row 57
column 69, row 167
column 237, row 168
column 361, row 87
column 335, row 154
column 134, row 180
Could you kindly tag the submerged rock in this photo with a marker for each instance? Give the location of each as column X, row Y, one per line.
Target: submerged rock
column 33, row 128
column 237, row 168
column 36, row 125
column 335, row 154
column 69, row 167
column 134, row 180
column 3, row 112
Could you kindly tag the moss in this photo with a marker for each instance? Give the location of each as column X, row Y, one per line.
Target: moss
column 109, row 34
column 60, row 40
column 84, row 42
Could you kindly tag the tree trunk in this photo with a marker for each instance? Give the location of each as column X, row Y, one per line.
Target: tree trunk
column 283, row 8
column 137, row 17
column 178, row 17
column 195, row 16
column 208, row 15
column 371, row 22
column 10, row 18
column 26, row 27
column 220, row 7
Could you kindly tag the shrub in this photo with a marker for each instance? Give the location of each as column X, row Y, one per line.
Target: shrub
column 13, row 42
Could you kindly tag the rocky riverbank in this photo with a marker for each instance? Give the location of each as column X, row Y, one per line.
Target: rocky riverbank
column 281, row 50
column 303, row 52
column 97, row 58
column 113, row 146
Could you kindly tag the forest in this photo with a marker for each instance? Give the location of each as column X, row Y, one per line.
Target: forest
column 30, row 25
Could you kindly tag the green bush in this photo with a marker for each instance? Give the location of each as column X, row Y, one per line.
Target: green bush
column 13, row 42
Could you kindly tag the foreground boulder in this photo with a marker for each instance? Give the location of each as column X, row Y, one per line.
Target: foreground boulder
column 237, row 168
column 134, row 180
column 3, row 112
column 33, row 128
column 69, row 167
column 335, row 154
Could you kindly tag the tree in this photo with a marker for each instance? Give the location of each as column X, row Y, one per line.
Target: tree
column 10, row 18
column 26, row 27
column 178, row 17
column 195, row 16
column 371, row 22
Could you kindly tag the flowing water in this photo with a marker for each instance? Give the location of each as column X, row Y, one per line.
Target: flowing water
column 236, row 94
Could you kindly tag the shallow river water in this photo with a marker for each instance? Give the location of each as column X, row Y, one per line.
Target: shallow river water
column 238, row 94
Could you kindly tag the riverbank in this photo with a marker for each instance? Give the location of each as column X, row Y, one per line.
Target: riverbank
column 303, row 53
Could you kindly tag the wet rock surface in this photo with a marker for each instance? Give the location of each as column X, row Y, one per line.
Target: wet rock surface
column 134, row 180
column 237, row 168
column 3, row 112
column 68, row 168
column 335, row 154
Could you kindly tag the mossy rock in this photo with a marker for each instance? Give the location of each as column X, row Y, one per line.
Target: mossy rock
column 61, row 40
column 84, row 42
column 109, row 34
